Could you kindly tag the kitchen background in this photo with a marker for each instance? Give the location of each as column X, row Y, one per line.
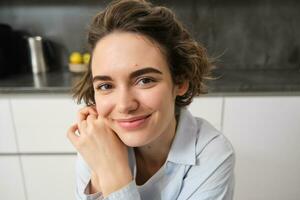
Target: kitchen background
column 248, row 34
column 255, row 102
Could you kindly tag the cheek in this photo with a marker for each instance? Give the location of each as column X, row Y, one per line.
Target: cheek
column 104, row 105
column 160, row 97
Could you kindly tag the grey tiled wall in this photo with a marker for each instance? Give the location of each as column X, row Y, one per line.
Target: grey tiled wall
column 243, row 34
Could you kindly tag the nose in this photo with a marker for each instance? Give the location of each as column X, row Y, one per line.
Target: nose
column 126, row 101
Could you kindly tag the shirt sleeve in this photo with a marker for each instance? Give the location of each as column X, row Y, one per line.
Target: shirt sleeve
column 212, row 177
column 83, row 176
column 129, row 192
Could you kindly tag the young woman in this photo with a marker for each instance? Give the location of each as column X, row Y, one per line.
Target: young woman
column 135, row 139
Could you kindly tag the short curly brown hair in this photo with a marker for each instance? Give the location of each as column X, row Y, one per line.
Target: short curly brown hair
column 187, row 59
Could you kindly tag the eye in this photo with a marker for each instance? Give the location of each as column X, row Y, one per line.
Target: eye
column 145, row 81
column 104, row 87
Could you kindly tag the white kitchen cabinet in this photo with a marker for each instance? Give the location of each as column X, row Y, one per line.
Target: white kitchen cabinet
column 49, row 177
column 11, row 181
column 265, row 132
column 209, row 108
column 7, row 133
column 42, row 122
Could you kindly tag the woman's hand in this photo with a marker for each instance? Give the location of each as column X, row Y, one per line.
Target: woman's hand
column 101, row 148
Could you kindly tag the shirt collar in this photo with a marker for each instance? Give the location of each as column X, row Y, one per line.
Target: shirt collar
column 183, row 149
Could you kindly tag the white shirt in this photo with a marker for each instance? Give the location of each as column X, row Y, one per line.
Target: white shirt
column 199, row 166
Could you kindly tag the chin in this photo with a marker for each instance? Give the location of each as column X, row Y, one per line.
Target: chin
column 134, row 141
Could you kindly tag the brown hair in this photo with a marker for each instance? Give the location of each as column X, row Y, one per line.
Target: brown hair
column 187, row 59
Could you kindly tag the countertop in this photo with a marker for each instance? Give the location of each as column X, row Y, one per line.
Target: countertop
column 228, row 82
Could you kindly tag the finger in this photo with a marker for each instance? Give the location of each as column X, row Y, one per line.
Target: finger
column 82, row 127
column 71, row 134
column 84, row 112
column 103, row 123
column 93, row 107
column 102, row 120
column 91, row 118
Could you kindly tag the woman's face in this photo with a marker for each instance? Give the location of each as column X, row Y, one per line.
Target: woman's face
column 134, row 92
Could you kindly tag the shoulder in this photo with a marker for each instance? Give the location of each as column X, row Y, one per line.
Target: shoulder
column 211, row 176
column 196, row 139
column 211, row 144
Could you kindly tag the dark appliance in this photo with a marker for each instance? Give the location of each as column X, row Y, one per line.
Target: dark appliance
column 15, row 55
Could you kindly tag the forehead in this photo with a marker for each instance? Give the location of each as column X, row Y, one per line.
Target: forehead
column 123, row 51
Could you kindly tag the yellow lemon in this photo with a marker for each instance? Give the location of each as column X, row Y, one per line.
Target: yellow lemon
column 86, row 58
column 75, row 58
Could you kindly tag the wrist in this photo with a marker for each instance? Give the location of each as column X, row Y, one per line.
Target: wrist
column 113, row 180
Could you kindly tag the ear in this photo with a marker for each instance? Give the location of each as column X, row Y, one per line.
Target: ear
column 182, row 88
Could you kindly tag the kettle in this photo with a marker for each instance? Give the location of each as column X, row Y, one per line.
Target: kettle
column 21, row 53
column 37, row 55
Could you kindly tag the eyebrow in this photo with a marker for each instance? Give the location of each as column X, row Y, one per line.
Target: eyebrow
column 132, row 75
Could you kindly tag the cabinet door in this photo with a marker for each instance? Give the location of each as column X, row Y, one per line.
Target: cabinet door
column 209, row 108
column 11, row 182
column 265, row 132
column 7, row 134
column 42, row 122
column 49, row 177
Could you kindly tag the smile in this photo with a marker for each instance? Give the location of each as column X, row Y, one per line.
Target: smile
column 133, row 123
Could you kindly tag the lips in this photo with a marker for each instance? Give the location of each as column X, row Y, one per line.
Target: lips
column 133, row 122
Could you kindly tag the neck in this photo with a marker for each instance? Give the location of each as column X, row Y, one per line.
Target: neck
column 155, row 153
